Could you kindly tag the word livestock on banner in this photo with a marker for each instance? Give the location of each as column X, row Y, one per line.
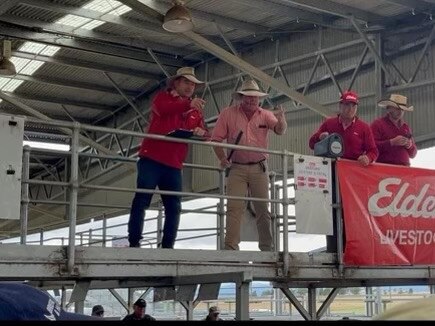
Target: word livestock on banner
column 389, row 214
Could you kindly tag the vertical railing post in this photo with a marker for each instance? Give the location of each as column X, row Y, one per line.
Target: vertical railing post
column 104, row 230
column 285, row 203
column 159, row 224
column 221, row 211
column 24, row 213
column 274, row 211
column 339, row 221
column 41, row 237
column 74, row 184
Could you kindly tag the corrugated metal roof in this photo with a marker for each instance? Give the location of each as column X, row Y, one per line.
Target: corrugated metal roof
column 268, row 17
column 380, row 7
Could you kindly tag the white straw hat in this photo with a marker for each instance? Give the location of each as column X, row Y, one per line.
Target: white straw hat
column 250, row 88
column 186, row 72
column 398, row 101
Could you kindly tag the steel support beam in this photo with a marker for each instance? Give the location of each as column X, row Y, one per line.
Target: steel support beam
column 299, row 307
column 416, row 5
column 92, row 36
column 153, row 8
column 332, row 8
column 52, row 38
column 257, row 73
column 242, row 301
column 327, row 303
column 39, row 115
column 157, row 61
column 46, row 99
column 423, row 54
column 129, row 101
column 94, row 66
column 285, row 10
column 71, row 84
column 370, row 45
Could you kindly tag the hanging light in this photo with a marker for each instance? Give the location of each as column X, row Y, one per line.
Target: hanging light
column 7, row 68
column 178, row 19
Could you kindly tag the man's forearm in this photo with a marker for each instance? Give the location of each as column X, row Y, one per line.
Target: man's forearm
column 220, row 153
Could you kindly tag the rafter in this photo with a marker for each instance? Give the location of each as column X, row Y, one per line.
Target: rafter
column 70, row 84
column 132, row 23
column 48, row 99
column 91, row 35
column 414, row 4
column 95, row 66
column 52, row 38
column 330, row 8
column 295, row 13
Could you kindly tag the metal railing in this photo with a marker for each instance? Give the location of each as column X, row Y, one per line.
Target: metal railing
column 74, row 185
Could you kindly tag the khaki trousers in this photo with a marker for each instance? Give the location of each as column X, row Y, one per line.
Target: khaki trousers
column 240, row 179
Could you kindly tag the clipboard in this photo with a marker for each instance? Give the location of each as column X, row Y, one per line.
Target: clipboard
column 185, row 133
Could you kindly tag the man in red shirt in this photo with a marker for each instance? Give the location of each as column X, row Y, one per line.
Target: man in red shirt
column 392, row 134
column 358, row 142
column 357, row 137
column 160, row 162
column 248, row 169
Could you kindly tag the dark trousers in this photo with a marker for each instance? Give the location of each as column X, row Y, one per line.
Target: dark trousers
column 152, row 174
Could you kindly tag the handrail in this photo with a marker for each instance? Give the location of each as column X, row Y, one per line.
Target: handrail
column 75, row 185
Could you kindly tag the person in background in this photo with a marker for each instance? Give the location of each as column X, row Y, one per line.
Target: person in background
column 139, row 308
column 248, row 124
column 160, row 162
column 213, row 314
column 392, row 134
column 358, row 141
column 98, row 311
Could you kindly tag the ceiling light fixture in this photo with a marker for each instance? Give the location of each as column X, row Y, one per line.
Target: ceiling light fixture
column 7, row 68
column 178, row 19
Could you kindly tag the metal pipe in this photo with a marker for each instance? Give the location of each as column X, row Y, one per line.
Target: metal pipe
column 129, row 101
column 221, row 211
column 158, row 137
column 45, row 182
column 160, row 224
column 176, row 193
column 74, row 185
column 338, row 216
column 273, row 211
column 25, row 195
column 285, row 213
column 423, row 53
column 104, row 230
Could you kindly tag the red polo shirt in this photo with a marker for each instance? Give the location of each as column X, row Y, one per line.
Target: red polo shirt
column 383, row 130
column 167, row 114
column 357, row 138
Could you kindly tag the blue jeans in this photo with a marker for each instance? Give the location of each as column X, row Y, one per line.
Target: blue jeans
column 151, row 174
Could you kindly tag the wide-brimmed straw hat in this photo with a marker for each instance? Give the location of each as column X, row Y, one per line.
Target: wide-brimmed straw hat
column 398, row 101
column 186, row 72
column 250, row 88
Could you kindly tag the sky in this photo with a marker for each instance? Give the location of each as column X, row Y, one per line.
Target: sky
column 188, row 222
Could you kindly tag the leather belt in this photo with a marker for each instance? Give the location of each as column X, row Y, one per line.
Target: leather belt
column 249, row 163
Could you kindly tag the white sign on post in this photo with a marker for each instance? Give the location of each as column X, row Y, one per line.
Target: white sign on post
column 313, row 195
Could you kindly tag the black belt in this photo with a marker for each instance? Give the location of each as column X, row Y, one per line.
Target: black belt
column 250, row 163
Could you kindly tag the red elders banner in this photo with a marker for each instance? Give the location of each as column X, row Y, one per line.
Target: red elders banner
column 389, row 214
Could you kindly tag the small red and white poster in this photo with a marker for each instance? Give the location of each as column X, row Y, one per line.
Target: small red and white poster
column 313, row 195
column 389, row 214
